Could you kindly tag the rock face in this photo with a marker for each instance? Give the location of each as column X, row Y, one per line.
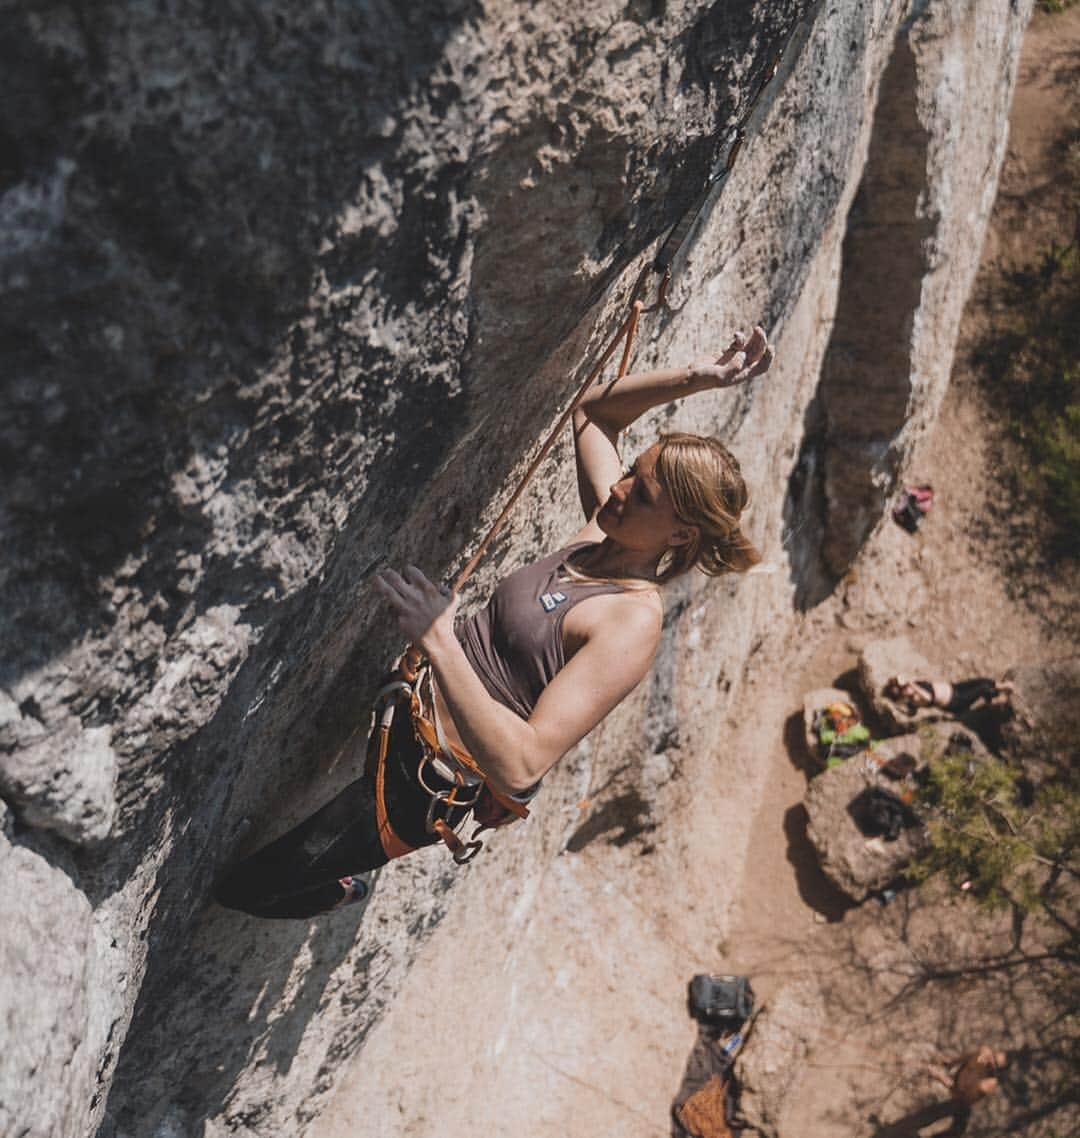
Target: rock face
column 289, row 293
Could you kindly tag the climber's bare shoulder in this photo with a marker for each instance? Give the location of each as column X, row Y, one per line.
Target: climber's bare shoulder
column 626, row 624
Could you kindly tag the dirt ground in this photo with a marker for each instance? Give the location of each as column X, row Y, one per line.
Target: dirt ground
column 969, row 603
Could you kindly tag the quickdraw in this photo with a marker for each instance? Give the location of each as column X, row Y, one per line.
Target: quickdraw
column 727, row 152
column 411, row 673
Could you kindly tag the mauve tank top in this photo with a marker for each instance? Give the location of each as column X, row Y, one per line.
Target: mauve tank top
column 514, row 643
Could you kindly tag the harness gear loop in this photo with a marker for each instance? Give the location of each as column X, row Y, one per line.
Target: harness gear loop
column 392, row 845
column 462, row 852
column 433, row 746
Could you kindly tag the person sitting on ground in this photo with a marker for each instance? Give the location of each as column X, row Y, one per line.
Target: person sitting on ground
column 560, row 644
column 955, row 698
column 974, row 1075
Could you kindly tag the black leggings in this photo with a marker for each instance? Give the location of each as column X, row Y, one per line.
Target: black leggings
column 298, row 875
column 967, row 692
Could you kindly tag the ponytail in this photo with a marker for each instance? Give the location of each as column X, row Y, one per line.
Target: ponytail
column 706, row 487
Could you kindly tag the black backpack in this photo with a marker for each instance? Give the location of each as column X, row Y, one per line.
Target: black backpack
column 721, row 1001
column 881, row 814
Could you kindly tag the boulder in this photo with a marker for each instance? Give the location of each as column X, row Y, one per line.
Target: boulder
column 934, row 740
column 813, row 702
column 856, row 864
column 778, row 1041
column 879, row 662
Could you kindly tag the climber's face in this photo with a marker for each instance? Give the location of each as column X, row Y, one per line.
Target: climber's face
column 639, row 513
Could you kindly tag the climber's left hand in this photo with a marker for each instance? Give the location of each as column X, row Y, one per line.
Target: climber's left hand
column 424, row 610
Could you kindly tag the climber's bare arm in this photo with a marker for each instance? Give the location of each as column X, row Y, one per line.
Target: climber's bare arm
column 608, row 408
column 515, row 753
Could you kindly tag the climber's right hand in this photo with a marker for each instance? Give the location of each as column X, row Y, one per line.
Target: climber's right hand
column 743, row 360
column 423, row 609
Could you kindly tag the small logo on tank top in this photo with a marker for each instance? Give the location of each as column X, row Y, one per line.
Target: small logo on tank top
column 551, row 601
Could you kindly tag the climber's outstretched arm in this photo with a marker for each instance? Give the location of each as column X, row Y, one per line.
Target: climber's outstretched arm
column 609, row 407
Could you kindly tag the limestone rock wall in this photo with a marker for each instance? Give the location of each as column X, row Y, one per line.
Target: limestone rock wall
column 289, row 293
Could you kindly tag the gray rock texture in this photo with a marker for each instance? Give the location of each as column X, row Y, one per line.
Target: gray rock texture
column 45, row 955
column 62, row 780
column 289, row 293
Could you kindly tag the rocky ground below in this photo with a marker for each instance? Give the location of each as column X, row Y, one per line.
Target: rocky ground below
column 860, row 1029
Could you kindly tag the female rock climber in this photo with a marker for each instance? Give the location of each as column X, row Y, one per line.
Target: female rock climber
column 561, row 642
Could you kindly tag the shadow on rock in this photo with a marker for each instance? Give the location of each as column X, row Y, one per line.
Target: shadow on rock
column 814, row 887
column 622, row 818
column 795, row 744
column 911, row 1125
column 243, row 999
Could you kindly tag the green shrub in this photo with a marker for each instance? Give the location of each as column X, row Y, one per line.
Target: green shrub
column 974, row 828
column 984, row 838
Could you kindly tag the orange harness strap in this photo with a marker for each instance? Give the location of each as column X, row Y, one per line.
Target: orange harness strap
column 392, row 845
column 378, row 750
column 425, row 729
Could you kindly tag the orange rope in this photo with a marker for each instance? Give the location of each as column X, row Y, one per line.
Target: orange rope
column 631, row 329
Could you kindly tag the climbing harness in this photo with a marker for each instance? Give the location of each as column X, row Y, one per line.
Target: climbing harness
column 468, row 790
column 465, row 786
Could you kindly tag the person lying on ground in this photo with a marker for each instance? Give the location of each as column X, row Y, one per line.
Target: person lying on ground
column 955, row 698
column 560, row 644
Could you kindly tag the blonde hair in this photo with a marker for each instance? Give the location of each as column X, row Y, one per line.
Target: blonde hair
column 706, row 487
